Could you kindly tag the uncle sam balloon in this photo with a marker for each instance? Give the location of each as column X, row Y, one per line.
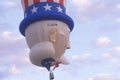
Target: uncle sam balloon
column 46, row 27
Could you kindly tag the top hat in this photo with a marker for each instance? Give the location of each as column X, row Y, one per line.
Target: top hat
column 38, row 10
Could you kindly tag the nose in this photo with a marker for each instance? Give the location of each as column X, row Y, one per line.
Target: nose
column 68, row 45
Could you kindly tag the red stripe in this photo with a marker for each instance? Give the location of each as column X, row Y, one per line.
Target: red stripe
column 36, row 1
column 26, row 3
column 49, row 0
column 61, row 2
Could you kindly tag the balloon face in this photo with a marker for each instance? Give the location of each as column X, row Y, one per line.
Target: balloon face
column 46, row 27
column 47, row 39
column 59, row 37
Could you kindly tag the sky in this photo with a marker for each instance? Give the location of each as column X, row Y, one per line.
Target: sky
column 95, row 43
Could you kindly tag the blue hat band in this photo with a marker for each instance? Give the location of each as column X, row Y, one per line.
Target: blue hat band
column 44, row 8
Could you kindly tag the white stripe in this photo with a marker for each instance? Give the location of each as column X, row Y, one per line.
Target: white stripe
column 64, row 3
column 30, row 2
column 23, row 5
column 57, row 1
column 43, row 0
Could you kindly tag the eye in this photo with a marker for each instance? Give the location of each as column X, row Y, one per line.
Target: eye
column 61, row 32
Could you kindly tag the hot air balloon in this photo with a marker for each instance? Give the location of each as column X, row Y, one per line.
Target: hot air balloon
column 46, row 28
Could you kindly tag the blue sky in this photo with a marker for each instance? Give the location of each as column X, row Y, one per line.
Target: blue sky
column 95, row 43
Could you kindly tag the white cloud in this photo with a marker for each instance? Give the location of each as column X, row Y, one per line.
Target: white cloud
column 118, row 6
column 9, row 36
column 104, row 77
column 75, row 57
column 3, row 74
column 14, row 70
column 7, row 71
column 11, row 43
column 88, row 9
column 118, row 20
column 10, row 3
column 4, row 26
column 103, row 41
column 111, row 57
column 26, row 60
column 82, row 58
column 14, row 49
column 83, row 3
column 86, row 56
column 117, row 49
